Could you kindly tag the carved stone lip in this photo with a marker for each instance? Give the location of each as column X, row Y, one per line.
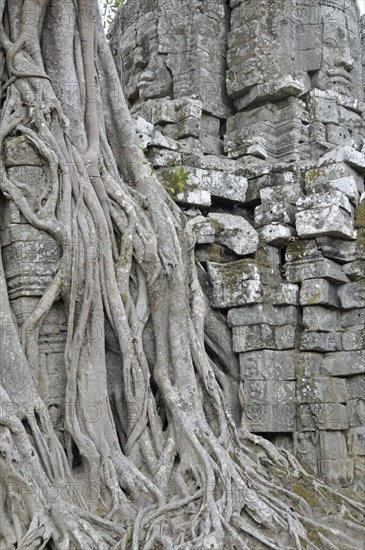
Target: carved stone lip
column 344, row 75
column 146, row 80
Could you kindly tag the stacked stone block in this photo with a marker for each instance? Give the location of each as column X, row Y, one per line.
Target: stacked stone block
column 30, row 259
column 267, row 120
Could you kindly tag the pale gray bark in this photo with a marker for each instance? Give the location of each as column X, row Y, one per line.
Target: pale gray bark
column 168, row 468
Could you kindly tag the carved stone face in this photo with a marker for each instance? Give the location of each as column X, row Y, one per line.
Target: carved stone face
column 145, row 74
column 155, row 80
column 340, row 69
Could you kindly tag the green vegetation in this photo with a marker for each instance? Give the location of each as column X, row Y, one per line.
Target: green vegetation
column 108, row 10
column 177, row 181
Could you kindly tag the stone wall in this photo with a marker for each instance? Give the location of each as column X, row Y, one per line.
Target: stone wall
column 30, row 258
column 254, row 122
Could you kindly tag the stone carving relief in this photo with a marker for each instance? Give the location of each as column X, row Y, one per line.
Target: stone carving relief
column 30, row 259
column 252, row 114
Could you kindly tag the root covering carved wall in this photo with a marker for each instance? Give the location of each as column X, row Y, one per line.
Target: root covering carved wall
column 252, row 114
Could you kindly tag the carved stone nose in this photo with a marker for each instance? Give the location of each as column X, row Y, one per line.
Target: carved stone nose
column 345, row 59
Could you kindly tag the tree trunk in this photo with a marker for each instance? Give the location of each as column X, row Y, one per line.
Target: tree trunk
column 148, row 455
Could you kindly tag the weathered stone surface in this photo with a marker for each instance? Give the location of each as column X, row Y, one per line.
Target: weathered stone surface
column 352, row 295
column 269, row 391
column 360, row 215
column 346, row 363
column 292, row 137
column 234, row 284
column 318, row 318
column 333, row 445
column 320, row 341
column 314, row 269
column 270, row 418
column 306, row 447
column 274, row 212
column 357, row 441
column 318, row 292
column 338, row 471
column 355, row 270
column 276, row 234
column 194, row 197
column 268, row 365
column 255, row 337
column 219, row 184
column 332, row 172
column 337, row 249
column 354, row 338
column 324, row 200
column 330, row 416
column 356, row 411
column 309, row 364
column 353, row 317
column 287, row 193
column 331, row 221
column 284, row 294
column 345, row 153
column 321, row 390
column 19, row 152
column 346, row 185
column 203, row 230
column 163, row 157
column 235, row 233
column 301, row 249
column 262, row 313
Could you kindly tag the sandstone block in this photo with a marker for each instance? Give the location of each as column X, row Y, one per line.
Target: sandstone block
column 333, row 445
column 255, row 337
column 356, row 386
column 318, row 292
column 269, row 418
column 356, row 438
column 235, row 283
column 276, row 234
column 321, row 390
column 324, row 200
column 352, row 295
column 355, row 270
column 287, row 193
column 163, row 157
column 332, row 221
column 316, row 268
column 338, row 471
column 337, row 249
column 318, row 318
column 268, row 365
column 274, row 212
column 347, row 154
column 354, row 339
column 353, row 317
column 284, row 294
column 220, row 184
column 346, row 363
column 194, row 197
column 356, row 411
column 309, row 364
column 320, row 341
column 330, row 416
column 262, row 313
column 235, row 233
column 269, row 391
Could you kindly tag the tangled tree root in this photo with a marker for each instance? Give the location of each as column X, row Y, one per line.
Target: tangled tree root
column 163, row 465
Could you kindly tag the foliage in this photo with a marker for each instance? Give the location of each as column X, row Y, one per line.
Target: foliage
column 108, row 10
column 177, row 181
